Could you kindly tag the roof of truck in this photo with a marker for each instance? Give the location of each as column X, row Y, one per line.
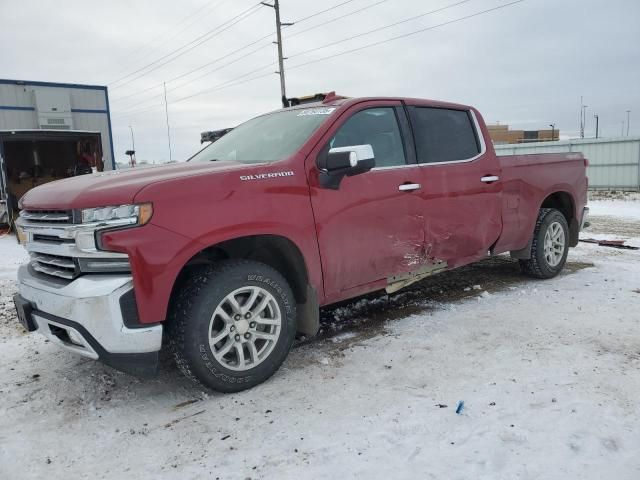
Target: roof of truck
column 347, row 101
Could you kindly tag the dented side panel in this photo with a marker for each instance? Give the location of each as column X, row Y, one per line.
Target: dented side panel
column 462, row 214
column 368, row 229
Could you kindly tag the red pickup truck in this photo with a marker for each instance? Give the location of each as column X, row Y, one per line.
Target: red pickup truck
column 228, row 255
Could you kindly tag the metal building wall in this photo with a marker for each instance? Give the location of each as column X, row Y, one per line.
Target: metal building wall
column 89, row 109
column 614, row 163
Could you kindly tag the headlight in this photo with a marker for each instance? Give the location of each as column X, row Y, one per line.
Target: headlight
column 121, row 215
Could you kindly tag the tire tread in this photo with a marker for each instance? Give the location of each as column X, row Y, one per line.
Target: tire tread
column 183, row 305
column 532, row 266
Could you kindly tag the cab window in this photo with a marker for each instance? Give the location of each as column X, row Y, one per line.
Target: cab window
column 443, row 135
column 377, row 127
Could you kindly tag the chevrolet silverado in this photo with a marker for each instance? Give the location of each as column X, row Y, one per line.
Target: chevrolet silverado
column 229, row 255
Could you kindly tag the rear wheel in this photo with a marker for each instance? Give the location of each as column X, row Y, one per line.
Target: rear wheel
column 550, row 245
column 232, row 324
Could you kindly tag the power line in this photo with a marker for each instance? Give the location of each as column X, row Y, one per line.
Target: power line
column 384, row 27
column 178, row 52
column 166, row 39
column 201, row 67
column 331, row 20
column 233, row 82
column 262, row 67
column 249, row 53
column 333, row 43
column 415, row 32
column 297, row 33
column 322, row 11
column 188, row 47
column 216, row 60
column 229, row 83
column 270, row 64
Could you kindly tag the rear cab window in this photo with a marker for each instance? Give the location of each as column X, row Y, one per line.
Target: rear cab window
column 444, row 135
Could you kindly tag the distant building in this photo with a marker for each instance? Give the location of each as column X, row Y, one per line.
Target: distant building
column 501, row 135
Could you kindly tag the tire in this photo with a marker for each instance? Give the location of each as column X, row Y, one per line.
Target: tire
column 212, row 304
column 548, row 259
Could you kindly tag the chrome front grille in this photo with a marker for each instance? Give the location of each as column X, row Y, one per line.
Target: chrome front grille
column 51, row 239
column 57, row 246
column 55, row 265
column 47, row 216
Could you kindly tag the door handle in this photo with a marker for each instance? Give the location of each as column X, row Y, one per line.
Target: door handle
column 408, row 187
column 490, row 179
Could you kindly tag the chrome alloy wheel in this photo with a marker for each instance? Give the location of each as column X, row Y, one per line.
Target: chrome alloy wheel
column 244, row 328
column 554, row 243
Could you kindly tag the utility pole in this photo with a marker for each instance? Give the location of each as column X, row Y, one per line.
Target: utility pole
column 584, row 120
column 596, row 117
column 132, row 152
column 166, row 112
column 628, row 113
column 281, row 58
column 581, row 118
column 553, row 129
column 133, row 142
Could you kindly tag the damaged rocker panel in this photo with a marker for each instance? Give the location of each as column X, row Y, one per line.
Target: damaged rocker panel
column 397, row 282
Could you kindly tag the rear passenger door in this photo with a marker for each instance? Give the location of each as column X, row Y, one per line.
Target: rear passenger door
column 461, row 190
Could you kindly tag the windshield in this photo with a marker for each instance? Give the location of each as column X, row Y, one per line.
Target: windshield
column 267, row 138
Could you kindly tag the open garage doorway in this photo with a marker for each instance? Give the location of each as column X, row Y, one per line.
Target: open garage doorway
column 33, row 157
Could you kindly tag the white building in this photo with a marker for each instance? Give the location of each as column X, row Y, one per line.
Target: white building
column 50, row 131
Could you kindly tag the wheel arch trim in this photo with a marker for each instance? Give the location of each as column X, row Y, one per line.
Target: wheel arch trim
column 277, row 251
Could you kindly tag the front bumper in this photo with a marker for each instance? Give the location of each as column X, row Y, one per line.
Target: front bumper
column 85, row 317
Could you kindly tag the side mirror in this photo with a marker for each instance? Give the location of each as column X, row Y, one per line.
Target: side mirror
column 339, row 162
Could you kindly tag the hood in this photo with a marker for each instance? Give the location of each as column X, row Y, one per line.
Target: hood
column 116, row 187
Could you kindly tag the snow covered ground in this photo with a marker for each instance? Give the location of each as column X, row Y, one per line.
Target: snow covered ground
column 12, row 254
column 549, row 372
column 616, row 208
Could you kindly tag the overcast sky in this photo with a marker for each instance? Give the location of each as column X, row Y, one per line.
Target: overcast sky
column 526, row 64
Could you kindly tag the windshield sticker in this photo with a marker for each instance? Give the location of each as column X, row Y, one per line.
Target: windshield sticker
column 316, row 111
column 264, row 176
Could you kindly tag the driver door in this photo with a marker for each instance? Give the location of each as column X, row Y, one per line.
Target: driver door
column 369, row 228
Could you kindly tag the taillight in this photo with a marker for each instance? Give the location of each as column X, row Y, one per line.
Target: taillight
column 586, row 162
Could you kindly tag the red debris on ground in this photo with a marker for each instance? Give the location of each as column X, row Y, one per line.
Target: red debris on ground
column 609, row 243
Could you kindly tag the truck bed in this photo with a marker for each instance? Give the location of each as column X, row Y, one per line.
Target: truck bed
column 527, row 180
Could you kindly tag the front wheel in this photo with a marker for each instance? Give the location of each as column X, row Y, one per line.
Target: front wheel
column 232, row 324
column 550, row 245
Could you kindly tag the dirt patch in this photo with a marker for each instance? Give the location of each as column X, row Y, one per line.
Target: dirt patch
column 614, row 195
column 613, row 226
column 9, row 327
column 366, row 317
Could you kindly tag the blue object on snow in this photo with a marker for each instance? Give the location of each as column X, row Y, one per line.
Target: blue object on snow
column 460, row 407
